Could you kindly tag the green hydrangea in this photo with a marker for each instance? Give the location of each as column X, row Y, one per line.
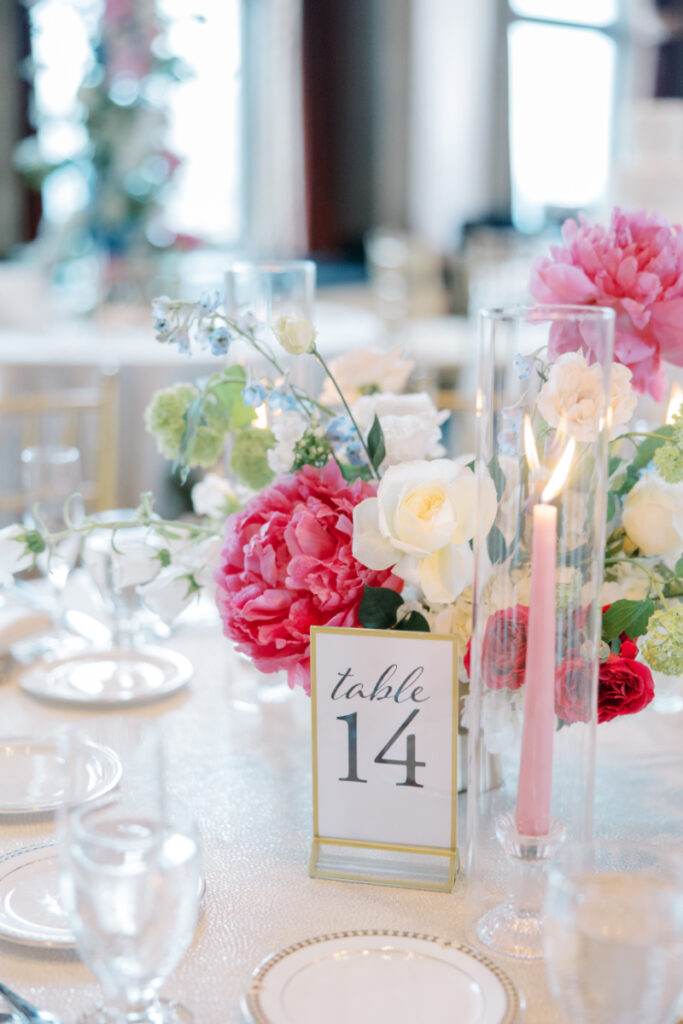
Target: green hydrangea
column 662, row 646
column 165, row 417
column 207, row 447
column 313, row 449
column 249, row 458
column 669, row 461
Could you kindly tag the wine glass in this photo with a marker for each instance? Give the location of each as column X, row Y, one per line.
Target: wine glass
column 130, row 876
column 51, row 483
column 613, row 936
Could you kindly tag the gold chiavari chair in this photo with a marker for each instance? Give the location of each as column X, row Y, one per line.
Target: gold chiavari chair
column 86, row 417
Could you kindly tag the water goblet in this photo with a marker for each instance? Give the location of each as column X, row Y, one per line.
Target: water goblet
column 130, row 877
column 613, row 936
column 51, row 479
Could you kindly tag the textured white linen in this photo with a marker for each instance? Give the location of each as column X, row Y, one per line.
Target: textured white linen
column 246, row 771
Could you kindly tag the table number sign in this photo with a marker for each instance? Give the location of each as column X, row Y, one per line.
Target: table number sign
column 385, row 734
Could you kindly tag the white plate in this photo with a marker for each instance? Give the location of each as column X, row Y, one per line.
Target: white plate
column 31, row 913
column 109, row 678
column 365, row 977
column 30, row 774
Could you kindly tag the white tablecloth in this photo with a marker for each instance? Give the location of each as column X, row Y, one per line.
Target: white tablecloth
column 246, row 770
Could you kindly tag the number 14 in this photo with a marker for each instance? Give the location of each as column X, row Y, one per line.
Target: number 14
column 410, row 763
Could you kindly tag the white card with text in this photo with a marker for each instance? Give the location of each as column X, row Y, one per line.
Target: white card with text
column 385, row 733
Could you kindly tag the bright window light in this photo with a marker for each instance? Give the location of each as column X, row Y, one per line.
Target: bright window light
column 204, row 119
column 580, row 12
column 561, row 96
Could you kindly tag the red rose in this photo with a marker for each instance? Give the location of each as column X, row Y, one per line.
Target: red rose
column 625, row 686
column 572, row 689
column 504, row 648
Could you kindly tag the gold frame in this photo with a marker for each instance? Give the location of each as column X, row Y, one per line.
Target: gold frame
column 447, row 852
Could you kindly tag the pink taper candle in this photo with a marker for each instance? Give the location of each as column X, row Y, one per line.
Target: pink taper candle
column 536, row 766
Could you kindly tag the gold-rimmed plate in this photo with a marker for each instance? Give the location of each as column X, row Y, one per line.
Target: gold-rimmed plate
column 359, row 977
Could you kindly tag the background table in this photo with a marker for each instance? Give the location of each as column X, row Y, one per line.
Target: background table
column 245, row 768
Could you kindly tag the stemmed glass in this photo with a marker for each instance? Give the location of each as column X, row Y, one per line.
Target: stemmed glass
column 51, row 483
column 613, row 936
column 130, row 876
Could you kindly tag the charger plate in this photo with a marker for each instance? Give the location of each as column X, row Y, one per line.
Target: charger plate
column 361, row 977
column 31, row 777
column 31, row 913
column 108, row 678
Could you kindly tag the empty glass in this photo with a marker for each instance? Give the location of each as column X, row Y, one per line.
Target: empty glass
column 51, row 478
column 613, row 937
column 266, row 291
column 130, row 876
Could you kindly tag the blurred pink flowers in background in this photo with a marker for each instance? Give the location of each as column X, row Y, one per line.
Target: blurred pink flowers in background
column 634, row 266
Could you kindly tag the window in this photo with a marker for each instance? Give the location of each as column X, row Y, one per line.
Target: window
column 561, row 90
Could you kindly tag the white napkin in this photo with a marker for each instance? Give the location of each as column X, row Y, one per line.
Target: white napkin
column 18, row 623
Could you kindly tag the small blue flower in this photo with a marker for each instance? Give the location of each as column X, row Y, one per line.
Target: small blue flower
column 355, row 453
column 162, row 329
column 510, row 432
column 219, row 339
column 522, row 367
column 280, row 400
column 207, row 302
column 254, row 394
column 340, row 430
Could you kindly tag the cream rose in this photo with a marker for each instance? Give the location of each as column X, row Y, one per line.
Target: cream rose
column 296, row 335
column 421, row 521
column 573, row 396
column 365, row 370
column 653, row 515
column 411, row 425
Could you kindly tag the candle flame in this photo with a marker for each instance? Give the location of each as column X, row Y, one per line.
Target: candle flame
column 560, row 473
column 675, row 402
column 530, row 449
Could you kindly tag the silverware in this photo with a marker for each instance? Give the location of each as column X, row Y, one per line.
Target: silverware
column 30, row 1013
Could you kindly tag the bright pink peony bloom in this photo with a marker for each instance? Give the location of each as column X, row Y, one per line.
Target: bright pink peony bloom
column 287, row 565
column 636, row 267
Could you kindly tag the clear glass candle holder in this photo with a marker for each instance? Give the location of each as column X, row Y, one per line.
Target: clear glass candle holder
column 542, row 445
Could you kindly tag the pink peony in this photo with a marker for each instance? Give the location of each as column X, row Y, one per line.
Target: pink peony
column 287, row 565
column 636, row 267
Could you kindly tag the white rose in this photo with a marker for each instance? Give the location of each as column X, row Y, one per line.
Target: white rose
column 14, row 555
column 653, row 515
column 212, row 496
column 630, row 583
column 365, row 369
column 501, row 720
column 420, row 522
column 296, row 335
column 573, row 396
column 411, row 425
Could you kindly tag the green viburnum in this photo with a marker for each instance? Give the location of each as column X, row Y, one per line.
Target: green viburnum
column 165, row 417
column 313, row 449
column 249, row 458
column 662, row 646
column 207, row 447
column 669, row 457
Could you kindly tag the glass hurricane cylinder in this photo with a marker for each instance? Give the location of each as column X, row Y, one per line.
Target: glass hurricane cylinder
column 542, row 441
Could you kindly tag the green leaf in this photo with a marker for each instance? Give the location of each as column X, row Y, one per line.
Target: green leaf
column 194, row 417
column 613, row 464
column 649, row 446
column 630, row 617
column 498, row 476
column 495, row 545
column 414, row 622
column 376, row 447
column 228, row 405
column 611, row 505
column 678, row 567
column 352, row 473
column 378, row 607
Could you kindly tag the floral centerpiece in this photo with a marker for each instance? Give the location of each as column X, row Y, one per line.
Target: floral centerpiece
column 340, row 509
